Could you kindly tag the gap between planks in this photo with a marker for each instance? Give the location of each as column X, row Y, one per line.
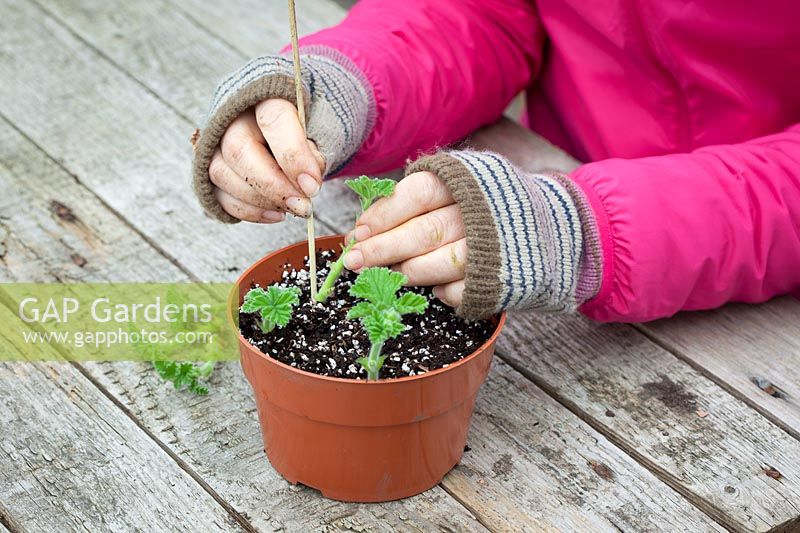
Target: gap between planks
column 661, row 473
column 162, row 100
column 120, row 68
column 5, row 518
column 725, row 385
column 455, row 505
column 240, row 519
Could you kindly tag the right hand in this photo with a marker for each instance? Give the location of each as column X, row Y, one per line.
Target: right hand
column 264, row 165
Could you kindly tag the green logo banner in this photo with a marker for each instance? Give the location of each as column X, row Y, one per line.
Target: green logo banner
column 118, row 322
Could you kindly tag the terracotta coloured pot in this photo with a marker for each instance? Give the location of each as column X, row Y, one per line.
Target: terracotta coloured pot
column 360, row 441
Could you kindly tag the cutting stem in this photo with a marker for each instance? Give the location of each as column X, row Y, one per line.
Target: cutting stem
column 301, row 112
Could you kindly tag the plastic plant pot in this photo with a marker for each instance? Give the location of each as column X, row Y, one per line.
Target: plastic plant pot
column 356, row 440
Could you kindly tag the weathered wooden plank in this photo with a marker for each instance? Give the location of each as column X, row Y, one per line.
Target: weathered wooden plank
column 70, row 460
column 51, row 227
column 533, row 467
column 713, row 459
column 259, row 27
column 535, row 487
column 39, row 245
column 751, row 350
column 220, row 437
column 169, row 418
column 123, row 142
column 165, row 50
column 698, row 438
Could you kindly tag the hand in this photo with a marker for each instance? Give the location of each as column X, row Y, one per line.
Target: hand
column 265, row 165
column 418, row 231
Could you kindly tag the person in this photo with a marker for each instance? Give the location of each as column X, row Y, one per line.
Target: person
column 686, row 113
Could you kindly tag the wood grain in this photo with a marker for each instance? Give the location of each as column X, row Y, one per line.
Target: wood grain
column 179, row 100
column 53, row 228
column 122, row 142
column 751, row 350
column 70, row 460
column 257, row 27
column 155, row 406
column 163, row 49
column 533, row 467
column 218, row 436
column 701, row 440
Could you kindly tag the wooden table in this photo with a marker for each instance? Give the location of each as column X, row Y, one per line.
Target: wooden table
column 687, row 424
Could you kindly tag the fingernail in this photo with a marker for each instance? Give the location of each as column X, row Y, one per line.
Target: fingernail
column 438, row 292
column 298, row 206
column 362, row 233
column 308, row 185
column 354, row 260
column 272, row 216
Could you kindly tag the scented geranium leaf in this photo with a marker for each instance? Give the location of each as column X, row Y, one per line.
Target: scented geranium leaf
column 360, row 310
column 382, row 325
column 369, row 189
column 411, row 303
column 185, row 375
column 274, row 305
column 381, row 313
column 378, row 285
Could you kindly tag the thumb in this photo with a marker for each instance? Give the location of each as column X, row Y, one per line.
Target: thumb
column 318, row 156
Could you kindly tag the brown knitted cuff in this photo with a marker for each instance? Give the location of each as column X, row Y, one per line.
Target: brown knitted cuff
column 272, row 86
column 483, row 289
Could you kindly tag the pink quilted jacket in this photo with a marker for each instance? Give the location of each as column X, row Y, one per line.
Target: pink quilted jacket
column 689, row 113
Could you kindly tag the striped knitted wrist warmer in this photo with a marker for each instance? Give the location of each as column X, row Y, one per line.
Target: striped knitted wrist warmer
column 339, row 102
column 525, row 236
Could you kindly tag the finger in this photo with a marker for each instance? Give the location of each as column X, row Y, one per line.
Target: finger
column 317, row 155
column 280, row 125
column 414, row 195
column 225, row 178
column 243, row 211
column 443, row 265
column 418, row 236
column 451, row 294
column 243, row 150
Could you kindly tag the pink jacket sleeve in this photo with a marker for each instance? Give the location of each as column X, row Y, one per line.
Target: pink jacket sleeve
column 694, row 231
column 439, row 69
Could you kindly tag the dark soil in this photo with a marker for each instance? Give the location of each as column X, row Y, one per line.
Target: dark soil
column 319, row 338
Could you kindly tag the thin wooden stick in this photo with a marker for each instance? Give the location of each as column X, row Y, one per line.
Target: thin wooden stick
column 301, row 111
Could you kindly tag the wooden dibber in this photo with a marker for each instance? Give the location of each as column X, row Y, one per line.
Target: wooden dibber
column 301, row 111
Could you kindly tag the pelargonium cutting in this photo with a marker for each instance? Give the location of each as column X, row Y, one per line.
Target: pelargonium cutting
column 381, row 309
column 368, row 190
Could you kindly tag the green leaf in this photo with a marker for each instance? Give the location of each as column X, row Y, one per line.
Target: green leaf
column 360, row 310
column 381, row 313
column 368, row 189
column 411, row 302
column 184, row 375
column 382, row 325
column 378, row 285
column 274, row 305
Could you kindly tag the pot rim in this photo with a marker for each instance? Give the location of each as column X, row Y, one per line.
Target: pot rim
column 233, row 305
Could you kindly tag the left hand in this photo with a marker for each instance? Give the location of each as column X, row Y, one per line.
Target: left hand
column 418, row 231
